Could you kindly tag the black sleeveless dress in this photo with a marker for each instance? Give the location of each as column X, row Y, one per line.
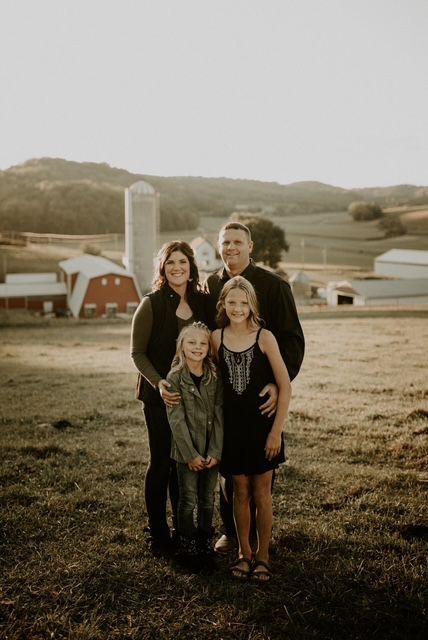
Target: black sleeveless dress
column 244, row 375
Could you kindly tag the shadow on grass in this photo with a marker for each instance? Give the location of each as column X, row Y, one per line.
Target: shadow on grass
column 322, row 588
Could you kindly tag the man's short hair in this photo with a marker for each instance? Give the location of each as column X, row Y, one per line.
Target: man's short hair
column 235, row 225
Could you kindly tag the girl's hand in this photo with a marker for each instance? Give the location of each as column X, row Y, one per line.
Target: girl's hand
column 273, row 445
column 197, row 464
column 269, row 406
column 211, row 462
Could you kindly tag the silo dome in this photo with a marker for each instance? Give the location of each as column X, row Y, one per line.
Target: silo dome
column 142, row 187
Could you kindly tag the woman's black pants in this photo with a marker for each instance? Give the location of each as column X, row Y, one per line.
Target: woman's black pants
column 161, row 475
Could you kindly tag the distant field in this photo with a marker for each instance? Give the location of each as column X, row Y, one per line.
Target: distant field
column 333, row 239
column 350, row 532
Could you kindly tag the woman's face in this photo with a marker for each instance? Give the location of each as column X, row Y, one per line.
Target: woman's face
column 236, row 305
column 177, row 269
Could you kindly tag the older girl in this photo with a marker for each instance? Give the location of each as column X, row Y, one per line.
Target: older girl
column 249, row 359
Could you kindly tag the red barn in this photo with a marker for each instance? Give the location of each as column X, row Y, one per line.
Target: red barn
column 98, row 287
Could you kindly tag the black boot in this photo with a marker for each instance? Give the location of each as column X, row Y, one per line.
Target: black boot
column 188, row 555
column 159, row 543
column 205, row 543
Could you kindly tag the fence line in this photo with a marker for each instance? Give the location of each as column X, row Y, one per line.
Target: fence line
column 58, row 238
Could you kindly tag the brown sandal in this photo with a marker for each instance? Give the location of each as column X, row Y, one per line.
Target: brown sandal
column 238, row 572
column 264, row 574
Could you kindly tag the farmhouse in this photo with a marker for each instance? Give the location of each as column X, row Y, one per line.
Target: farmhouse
column 205, row 254
column 378, row 292
column 402, row 263
column 96, row 286
column 37, row 292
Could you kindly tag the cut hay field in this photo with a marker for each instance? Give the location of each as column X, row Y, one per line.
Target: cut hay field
column 350, row 536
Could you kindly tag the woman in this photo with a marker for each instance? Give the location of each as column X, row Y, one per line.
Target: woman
column 175, row 301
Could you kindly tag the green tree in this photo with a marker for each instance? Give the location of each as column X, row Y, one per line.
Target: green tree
column 269, row 239
column 365, row 211
column 392, row 226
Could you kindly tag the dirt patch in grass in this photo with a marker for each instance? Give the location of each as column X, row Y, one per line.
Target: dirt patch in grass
column 349, row 541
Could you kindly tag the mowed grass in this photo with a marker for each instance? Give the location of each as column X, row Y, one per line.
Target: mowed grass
column 350, row 537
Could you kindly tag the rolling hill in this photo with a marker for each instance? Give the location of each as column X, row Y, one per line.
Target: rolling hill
column 52, row 195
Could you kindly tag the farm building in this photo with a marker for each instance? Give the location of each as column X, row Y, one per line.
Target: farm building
column 96, row 287
column 141, row 231
column 301, row 287
column 205, row 254
column 38, row 292
column 402, row 263
column 378, row 292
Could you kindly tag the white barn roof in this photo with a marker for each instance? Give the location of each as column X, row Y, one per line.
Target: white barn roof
column 75, row 301
column 20, row 278
column 92, row 266
column 32, row 289
column 300, row 277
column 386, row 288
column 404, row 256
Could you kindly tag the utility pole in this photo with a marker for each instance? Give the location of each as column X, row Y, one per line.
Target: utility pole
column 324, row 257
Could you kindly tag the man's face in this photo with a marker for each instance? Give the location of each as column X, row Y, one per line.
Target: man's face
column 235, row 250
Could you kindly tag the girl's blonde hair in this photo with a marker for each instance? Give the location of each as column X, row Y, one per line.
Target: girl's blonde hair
column 179, row 360
column 238, row 282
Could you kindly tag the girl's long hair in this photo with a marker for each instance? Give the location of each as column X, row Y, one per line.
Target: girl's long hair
column 238, row 282
column 179, row 361
column 159, row 278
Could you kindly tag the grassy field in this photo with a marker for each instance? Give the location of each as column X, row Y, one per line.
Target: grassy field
column 350, row 536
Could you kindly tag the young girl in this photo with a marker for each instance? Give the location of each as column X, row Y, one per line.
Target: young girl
column 197, row 437
column 249, row 359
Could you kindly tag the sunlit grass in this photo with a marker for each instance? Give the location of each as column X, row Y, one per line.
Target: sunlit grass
column 350, row 535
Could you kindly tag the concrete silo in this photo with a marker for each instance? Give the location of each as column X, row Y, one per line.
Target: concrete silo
column 141, row 232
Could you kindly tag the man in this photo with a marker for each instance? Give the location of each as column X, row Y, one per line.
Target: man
column 277, row 309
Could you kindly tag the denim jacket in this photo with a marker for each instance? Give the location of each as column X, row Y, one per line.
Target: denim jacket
column 197, row 422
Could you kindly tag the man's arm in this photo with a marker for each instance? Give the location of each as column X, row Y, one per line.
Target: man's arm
column 285, row 325
column 212, row 287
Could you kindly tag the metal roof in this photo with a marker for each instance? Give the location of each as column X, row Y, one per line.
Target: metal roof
column 92, row 266
column 299, row 276
column 20, row 278
column 75, row 301
column 404, row 256
column 386, row 288
column 32, row 290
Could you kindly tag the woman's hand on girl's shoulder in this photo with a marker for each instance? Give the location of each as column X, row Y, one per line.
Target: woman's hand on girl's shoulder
column 170, row 398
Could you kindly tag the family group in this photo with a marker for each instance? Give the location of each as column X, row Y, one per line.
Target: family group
column 215, row 361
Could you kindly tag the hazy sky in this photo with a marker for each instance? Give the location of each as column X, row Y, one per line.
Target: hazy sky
column 279, row 90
